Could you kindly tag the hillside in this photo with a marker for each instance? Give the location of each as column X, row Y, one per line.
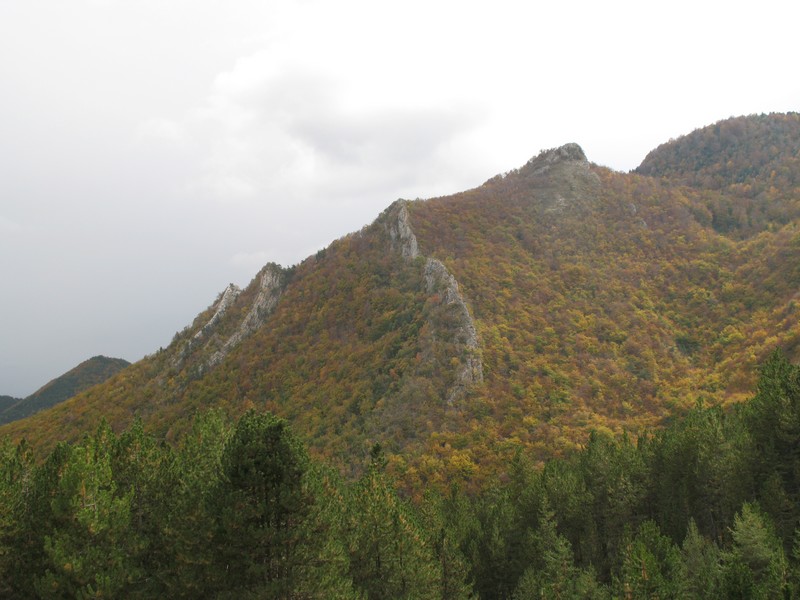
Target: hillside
column 7, row 401
column 748, row 168
column 557, row 299
column 90, row 372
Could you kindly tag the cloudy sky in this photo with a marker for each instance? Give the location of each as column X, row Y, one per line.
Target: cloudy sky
column 152, row 151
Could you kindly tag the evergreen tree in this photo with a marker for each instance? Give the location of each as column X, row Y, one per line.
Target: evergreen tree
column 16, row 472
column 92, row 550
column 390, row 557
column 446, row 532
column 650, row 567
column 701, row 570
column 553, row 573
column 142, row 469
column 501, row 551
column 773, row 420
column 617, row 478
column 262, row 503
column 699, row 471
column 755, row 566
column 189, row 523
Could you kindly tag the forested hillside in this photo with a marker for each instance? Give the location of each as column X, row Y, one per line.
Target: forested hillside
column 749, row 168
column 706, row 508
column 556, row 300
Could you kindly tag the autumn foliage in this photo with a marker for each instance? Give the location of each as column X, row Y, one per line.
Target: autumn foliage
column 602, row 301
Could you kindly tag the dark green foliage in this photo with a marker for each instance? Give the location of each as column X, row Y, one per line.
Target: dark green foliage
column 390, row 556
column 650, row 567
column 553, row 573
column 702, row 509
column 773, row 420
column 92, row 550
column 261, row 505
column 700, row 472
column 702, row 569
column 755, row 566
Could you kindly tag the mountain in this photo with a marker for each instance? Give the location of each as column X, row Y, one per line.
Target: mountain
column 559, row 298
column 748, row 167
column 7, row 401
column 90, row 372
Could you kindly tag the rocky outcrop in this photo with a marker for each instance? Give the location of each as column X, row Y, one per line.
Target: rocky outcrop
column 209, row 343
column 271, row 286
column 547, row 159
column 439, row 282
column 228, row 298
column 395, row 221
column 561, row 178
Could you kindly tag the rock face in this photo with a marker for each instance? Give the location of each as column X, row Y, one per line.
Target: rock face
column 271, row 286
column 440, row 283
column 399, row 229
column 213, row 339
column 228, row 298
column 561, row 178
column 568, row 153
column 438, row 280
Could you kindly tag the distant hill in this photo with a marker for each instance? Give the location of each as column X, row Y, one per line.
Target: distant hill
column 7, row 401
column 559, row 298
column 90, row 372
column 747, row 167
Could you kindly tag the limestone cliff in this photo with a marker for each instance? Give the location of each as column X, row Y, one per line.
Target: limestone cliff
column 395, row 221
column 226, row 328
column 453, row 321
column 469, row 370
column 271, row 284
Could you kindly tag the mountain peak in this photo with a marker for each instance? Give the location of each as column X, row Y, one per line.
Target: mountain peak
column 546, row 159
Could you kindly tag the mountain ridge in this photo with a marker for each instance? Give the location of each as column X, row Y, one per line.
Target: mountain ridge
column 559, row 298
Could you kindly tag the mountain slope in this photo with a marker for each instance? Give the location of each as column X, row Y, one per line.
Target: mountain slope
column 7, row 401
column 749, row 168
column 559, row 298
column 90, row 372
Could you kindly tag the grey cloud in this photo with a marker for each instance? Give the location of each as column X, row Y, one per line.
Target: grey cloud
column 8, row 227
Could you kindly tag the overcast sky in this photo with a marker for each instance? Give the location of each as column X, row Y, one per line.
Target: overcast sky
column 152, row 151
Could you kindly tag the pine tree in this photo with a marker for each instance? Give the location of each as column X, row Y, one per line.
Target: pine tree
column 91, row 551
column 188, row 529
column 701, row 570
column 553, row 573
column 650, row 566
column 390, row 557
column 755, row 566
column 445, row 534
column 16, row 470
column 262, row 503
